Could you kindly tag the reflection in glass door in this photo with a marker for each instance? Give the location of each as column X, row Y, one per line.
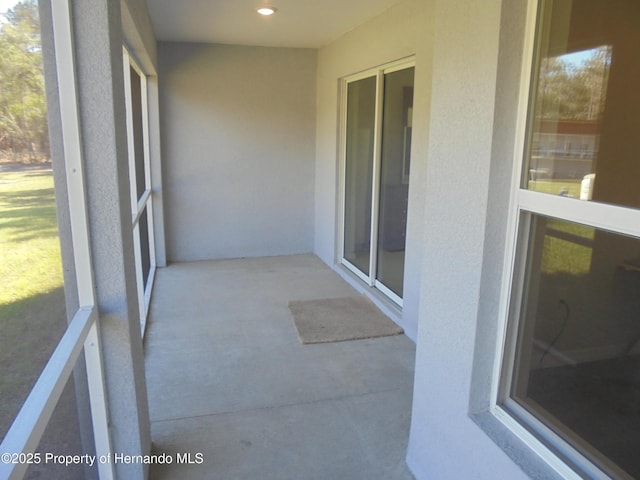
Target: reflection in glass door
column 378, row 121
column 361, row 100
column 394, row 178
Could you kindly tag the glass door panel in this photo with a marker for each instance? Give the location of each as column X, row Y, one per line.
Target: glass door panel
column 394, row 178
column 361, row 102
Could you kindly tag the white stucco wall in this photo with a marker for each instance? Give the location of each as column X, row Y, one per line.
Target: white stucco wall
column 468, row 58
column 238, row 136
column 401, row 31
column 141, row 44
column 467, row 183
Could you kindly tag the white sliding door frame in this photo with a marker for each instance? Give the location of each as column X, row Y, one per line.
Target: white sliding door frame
column 379, row 73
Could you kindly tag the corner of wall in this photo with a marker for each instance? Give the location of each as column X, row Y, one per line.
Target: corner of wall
column 138, row 34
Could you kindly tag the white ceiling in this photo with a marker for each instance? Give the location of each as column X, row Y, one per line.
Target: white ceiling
column 297, row 23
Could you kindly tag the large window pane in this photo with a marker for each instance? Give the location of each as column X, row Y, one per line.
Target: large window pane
column 583, row 140
column 32, row 304
column 361, row 102
column 578, row 360
column 394, row 177
column 574, row 339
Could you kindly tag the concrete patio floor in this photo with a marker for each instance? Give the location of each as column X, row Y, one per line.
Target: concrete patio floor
column 228, row 378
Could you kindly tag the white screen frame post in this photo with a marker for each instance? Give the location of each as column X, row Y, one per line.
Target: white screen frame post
column 82, row 333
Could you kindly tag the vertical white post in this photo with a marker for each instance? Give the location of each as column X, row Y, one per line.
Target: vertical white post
column 375, row 187
column 65, row 65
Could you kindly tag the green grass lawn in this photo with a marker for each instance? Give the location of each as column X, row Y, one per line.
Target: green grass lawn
column 554, row 187
column 566, row 257
column 32, row 311
column 28, row 236
column 562, row 256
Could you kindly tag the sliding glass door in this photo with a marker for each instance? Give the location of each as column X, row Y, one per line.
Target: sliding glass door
column 361, row 113
column 377, row 142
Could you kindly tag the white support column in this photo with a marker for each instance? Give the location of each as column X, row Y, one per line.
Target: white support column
column 97, row 34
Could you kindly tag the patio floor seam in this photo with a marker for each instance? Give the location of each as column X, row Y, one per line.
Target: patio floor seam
column 273, row 407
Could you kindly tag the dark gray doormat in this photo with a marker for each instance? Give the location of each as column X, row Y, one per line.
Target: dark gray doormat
column 339, row 319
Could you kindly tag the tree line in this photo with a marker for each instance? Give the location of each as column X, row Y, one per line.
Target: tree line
column 23, row 115
column 574, row 92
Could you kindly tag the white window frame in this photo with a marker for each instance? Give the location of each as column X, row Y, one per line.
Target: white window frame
column 82, row 333
column 378, row 72
column 560, row 455
column 146, row 200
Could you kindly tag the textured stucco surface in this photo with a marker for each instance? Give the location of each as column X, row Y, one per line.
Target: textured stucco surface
column 97, row 32
column 402, row 31
column 250, row 159
column 238, row 129
column 141, row 44
column 445, row 442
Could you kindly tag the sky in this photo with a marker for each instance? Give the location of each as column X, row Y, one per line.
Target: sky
column 6, row 5
column 577, row 58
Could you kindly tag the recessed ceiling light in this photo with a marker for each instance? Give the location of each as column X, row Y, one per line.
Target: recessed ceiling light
column 266, row 11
